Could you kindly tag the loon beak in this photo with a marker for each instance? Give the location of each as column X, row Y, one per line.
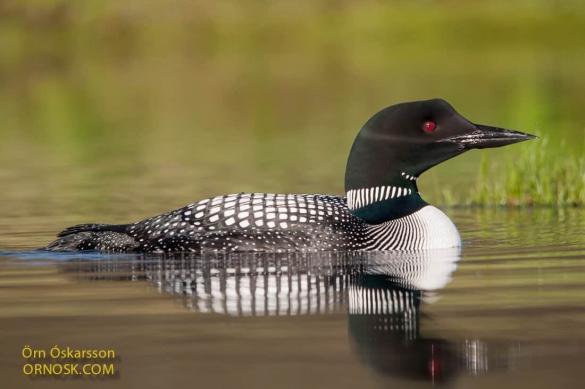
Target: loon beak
column 487, row 136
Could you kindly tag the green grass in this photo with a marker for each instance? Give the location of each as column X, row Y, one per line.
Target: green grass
column 548, row 177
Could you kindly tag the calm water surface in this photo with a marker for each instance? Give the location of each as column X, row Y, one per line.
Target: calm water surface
column 508, row 310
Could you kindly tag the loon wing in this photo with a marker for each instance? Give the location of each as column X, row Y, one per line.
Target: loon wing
column 249, row 222
column 243, row 222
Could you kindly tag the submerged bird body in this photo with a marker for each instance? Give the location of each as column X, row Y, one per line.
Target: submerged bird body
column 382, row 209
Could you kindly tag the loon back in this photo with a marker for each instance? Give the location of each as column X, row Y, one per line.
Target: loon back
column 263, row 222
column 382, row 211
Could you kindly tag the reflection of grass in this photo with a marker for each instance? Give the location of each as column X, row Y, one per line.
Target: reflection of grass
column 542, row 178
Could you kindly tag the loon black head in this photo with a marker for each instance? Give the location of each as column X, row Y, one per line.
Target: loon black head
column 398, row 144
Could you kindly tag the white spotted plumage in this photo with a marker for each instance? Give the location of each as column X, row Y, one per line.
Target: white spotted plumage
column 284, row 223
column 292, row 223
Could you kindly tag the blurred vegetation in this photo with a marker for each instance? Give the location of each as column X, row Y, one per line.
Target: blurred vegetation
column 121, row 109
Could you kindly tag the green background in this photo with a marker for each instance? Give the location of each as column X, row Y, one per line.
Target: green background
column 117, row 109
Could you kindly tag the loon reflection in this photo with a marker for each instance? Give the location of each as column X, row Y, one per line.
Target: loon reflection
column 382, row 293
column 281, row 284
column 385, row 311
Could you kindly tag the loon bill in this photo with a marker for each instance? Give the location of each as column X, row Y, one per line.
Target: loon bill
column 382, row 209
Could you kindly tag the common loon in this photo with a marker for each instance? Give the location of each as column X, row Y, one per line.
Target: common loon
column 382, row 209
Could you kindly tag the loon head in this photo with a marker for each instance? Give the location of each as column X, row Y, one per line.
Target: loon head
column 402, row 141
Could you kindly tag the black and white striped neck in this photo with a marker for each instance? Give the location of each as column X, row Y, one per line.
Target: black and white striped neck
column 381, row 203
column 358, row 198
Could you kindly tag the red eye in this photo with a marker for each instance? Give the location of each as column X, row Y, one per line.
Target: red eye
column 429, row 126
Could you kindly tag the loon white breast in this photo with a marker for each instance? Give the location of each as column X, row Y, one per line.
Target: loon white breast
column 382, row 209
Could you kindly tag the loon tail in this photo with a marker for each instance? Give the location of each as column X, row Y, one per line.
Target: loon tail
column 90, row 237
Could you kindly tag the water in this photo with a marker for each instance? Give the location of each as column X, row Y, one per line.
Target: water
column 508, row 310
